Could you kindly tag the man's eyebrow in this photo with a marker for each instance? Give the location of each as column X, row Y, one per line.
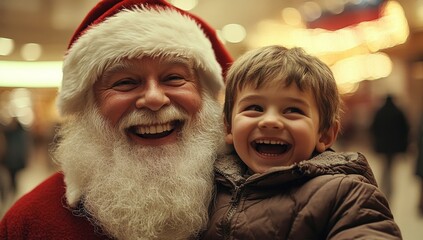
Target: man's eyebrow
column 181, row 61
column 178, row 60
column 116, row 67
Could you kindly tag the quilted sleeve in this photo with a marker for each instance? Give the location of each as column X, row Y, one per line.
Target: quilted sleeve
column 361, row 211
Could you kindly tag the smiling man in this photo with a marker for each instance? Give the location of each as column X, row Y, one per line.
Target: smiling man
column 140, row 129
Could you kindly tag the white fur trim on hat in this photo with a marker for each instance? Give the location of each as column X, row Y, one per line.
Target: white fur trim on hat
column 132, row 34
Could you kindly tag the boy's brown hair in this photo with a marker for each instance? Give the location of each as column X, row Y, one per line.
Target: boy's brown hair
column 275, row 65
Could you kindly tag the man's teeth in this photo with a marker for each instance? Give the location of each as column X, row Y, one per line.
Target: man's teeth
column 154, row 129
column 269, row 142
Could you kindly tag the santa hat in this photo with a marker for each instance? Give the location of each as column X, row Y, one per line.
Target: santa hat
column 119, row 29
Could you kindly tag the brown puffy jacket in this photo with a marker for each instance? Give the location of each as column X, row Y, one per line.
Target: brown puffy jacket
column 331, row 196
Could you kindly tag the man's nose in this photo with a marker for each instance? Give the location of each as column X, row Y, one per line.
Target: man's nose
column 153, row 97
column 271, row 120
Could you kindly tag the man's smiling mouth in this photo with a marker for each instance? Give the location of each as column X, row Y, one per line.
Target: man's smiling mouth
column 271, row 147
column 156, row 130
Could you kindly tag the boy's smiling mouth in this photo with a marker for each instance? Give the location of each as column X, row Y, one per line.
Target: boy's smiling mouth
column 270, row 147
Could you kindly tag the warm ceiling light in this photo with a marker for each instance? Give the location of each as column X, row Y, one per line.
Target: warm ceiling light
column 185, row 4
column 367, row 66
column 291, row 16
column 30, row 74
column 31, row 51
column 311, row 11
column 234, row 33
column 6, row 46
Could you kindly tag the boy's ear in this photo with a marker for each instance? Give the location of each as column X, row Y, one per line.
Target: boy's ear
column 228, row 131
column 327, row 138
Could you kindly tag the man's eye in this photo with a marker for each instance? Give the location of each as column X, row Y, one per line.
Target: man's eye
column 174, row 77
column 174, row 80
column 255, row 108
column 125, row 84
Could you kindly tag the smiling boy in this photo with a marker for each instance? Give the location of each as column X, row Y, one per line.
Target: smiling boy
column 283, row 180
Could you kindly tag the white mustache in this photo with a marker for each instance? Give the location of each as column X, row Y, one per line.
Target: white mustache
column 146, row 117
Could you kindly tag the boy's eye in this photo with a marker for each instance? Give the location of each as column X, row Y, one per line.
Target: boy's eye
column 255, row 108
column 294, row 110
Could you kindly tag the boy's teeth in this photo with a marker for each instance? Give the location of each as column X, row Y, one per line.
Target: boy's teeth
column 269, row 142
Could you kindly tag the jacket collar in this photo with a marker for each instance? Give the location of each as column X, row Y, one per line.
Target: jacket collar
column 231, row 168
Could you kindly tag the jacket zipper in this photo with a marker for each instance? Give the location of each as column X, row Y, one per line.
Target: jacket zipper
column 236, row 196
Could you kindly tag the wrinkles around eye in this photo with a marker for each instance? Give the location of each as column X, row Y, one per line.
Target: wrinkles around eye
column 175, row 81
column 125, row 84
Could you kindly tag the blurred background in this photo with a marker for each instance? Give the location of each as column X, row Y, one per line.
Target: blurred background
column 374, row 47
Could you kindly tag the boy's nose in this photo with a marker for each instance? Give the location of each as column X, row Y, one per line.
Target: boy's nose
column 153, row 97
column 271, row 121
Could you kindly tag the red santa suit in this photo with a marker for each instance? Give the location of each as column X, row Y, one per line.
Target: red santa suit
column 44, row 214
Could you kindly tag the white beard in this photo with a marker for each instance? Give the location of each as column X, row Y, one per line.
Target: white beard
column 142, row 192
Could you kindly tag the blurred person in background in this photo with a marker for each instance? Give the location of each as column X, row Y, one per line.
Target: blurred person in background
column 4, row 174
column 141, row 129
column 17, row 147
column 419, row 162
column 390, row 129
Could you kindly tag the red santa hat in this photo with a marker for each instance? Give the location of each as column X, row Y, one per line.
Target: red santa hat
column 119, row 29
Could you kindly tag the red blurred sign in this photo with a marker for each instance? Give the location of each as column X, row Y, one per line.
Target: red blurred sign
column 352, row 15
